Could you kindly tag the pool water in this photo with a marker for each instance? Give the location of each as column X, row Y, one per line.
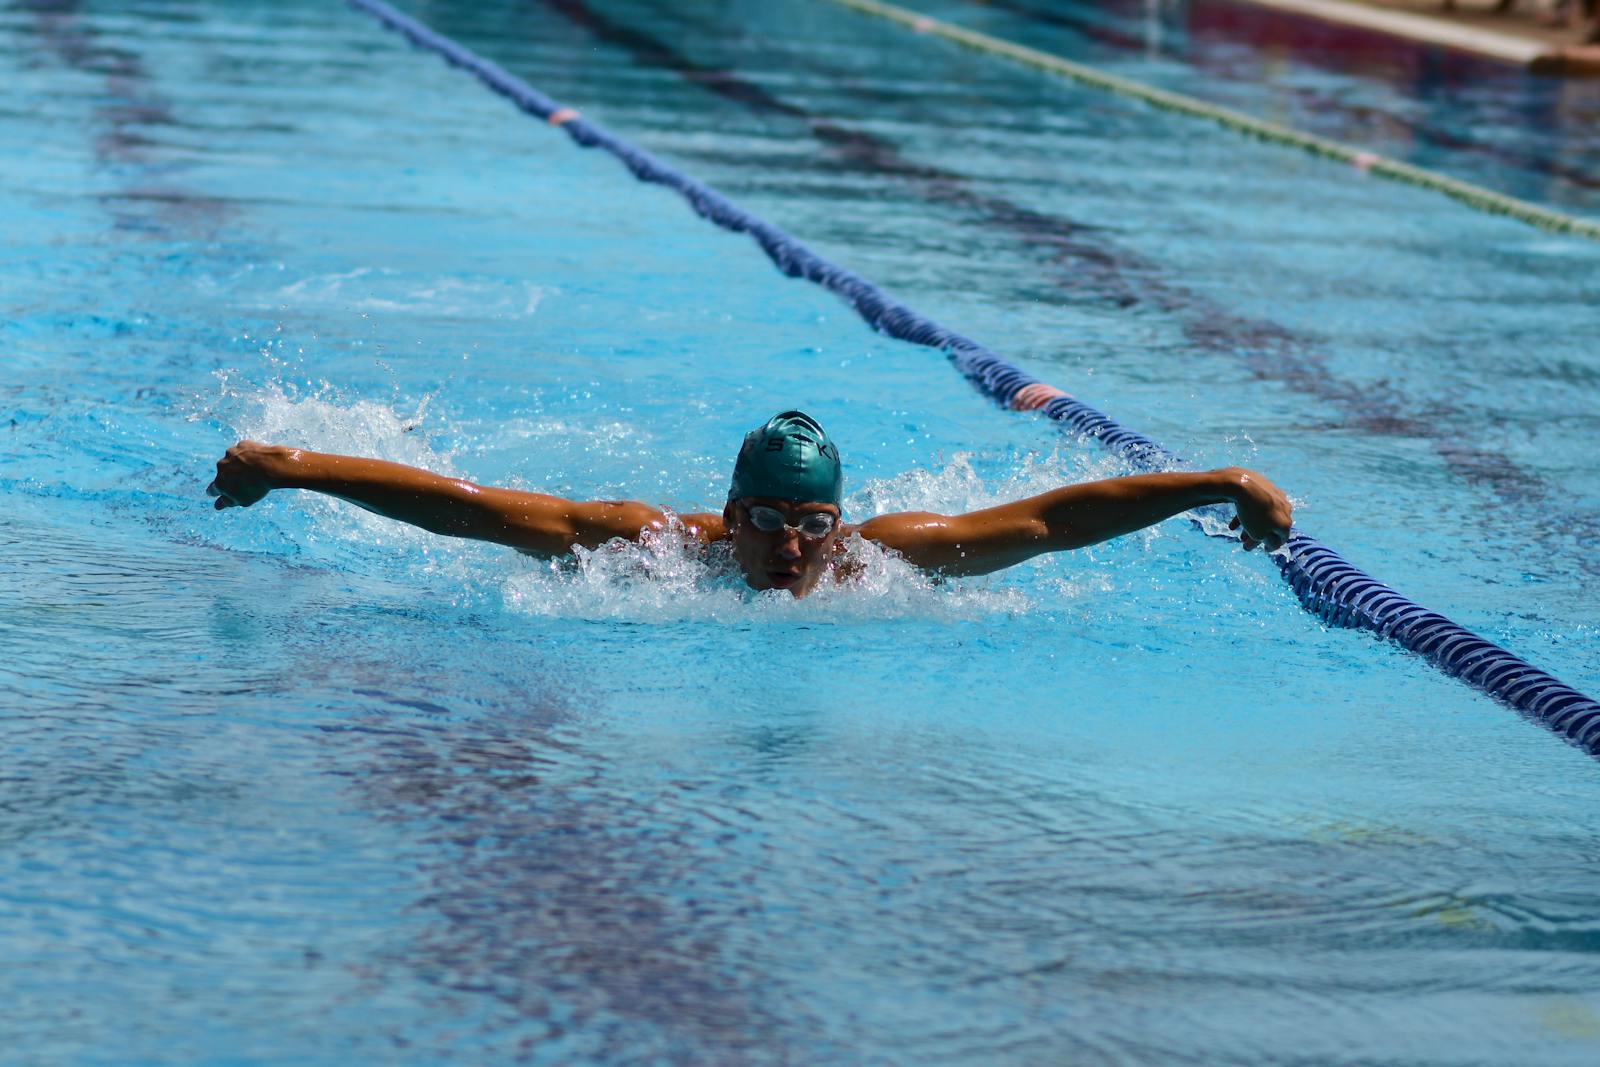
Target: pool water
column 1474, row 118
column 299, row 785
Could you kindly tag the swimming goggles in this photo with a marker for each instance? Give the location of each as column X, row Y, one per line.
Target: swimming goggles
column 814, row 526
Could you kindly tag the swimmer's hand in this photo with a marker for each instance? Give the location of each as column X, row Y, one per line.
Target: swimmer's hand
column 1264, row 512
column 244, row 474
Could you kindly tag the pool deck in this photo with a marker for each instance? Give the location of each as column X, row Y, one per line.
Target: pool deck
column 1521, row 36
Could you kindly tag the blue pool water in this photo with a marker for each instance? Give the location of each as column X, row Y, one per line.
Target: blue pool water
column 1474, row 118
column 299, row 785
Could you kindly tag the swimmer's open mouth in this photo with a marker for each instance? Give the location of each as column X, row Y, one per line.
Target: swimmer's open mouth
column 782, row 579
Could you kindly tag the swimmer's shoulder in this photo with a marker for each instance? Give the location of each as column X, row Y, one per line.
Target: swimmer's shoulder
column 707, row 527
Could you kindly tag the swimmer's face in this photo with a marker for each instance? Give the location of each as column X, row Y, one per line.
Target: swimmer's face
column 784, row 558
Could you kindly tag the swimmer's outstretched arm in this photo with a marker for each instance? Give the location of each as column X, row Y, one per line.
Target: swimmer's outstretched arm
column 532, row 522
column 1079, row 515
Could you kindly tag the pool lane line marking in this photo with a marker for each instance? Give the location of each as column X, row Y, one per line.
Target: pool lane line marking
column 1475, row 196
column 1326, row 584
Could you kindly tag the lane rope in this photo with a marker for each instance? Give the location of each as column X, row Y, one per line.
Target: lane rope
column 1324, row 582
column 1475, row 196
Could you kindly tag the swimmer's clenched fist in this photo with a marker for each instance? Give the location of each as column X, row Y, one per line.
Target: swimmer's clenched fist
column 782, row 518
column 1263, row 509
column 242, row 474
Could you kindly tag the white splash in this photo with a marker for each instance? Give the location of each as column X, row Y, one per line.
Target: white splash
column 384, row 289
column 958, row 487
column 668, row 576
column 322, row 420
column 328, row 422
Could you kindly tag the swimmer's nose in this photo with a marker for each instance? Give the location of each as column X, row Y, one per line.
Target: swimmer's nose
column 789, row 546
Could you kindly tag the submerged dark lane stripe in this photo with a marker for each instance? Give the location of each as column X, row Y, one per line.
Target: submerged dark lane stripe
column 129, row 106
column 867, row 152
column 1271, row 351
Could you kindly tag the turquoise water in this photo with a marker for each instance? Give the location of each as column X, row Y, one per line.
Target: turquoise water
column 298, row 785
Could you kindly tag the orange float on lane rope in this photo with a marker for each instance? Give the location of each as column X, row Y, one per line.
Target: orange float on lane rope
column 1035, row 396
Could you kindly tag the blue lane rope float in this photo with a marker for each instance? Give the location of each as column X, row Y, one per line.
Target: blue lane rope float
column 1326, row 584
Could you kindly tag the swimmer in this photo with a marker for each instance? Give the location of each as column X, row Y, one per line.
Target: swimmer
column 782, row 519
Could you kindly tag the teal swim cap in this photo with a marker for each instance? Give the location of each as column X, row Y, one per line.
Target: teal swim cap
column 790, row 458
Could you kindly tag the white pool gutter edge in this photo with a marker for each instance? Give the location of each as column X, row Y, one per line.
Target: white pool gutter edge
column 1518, row 50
